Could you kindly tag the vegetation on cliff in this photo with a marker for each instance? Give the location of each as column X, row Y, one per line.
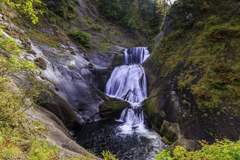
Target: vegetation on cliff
column 138, row 16
column 198, row 57
column 18, row 137
column 21, row 138
column 200, row 54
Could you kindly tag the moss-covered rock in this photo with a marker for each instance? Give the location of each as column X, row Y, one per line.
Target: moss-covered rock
column 117, row 60
column 170, row 131
column 90, row 65
column 40, row 63
column 15, row 32
column 112, row 109
column 191, row 145
column 60, row 108
column 86, row 57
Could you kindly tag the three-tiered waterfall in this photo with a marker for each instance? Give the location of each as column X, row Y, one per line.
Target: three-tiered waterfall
column 128, row 82
column 126, row 137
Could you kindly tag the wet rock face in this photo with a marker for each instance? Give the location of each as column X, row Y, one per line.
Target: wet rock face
column 167, row 114
column 71, row 78
column 61, row 109
column 104, row 64
column 68, row 73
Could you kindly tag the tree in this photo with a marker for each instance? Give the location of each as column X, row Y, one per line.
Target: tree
column 25, row 6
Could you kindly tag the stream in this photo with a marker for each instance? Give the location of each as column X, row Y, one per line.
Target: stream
column 128, row 137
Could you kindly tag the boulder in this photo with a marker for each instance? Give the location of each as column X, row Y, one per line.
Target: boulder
column 170, row 131
column 112, row 109
column 60, row 108
column 58, row 134
column 191, row 145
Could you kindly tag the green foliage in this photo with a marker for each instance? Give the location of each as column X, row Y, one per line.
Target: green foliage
column 40, row 149
column 18, row 138
column 200, row 25
column 26, row 6
column 107, row 155
column 22, row 142
column 138, row 16
column 207, row 52
column 220, row 150
column 63, row 8
column 11, row 63
column 82, row 38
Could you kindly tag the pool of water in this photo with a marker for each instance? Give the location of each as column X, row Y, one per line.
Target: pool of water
column 138, row 142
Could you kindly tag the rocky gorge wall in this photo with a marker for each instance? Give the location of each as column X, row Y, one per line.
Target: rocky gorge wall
column 189, row 73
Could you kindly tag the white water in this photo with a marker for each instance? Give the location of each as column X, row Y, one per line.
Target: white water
column 128, row 82
column 136, row 55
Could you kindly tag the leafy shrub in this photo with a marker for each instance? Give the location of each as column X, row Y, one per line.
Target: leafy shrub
column 220, row 150
column 26, row 6
column 82, row 38
column 200, row 25
column 213, row 20
column 108, row 155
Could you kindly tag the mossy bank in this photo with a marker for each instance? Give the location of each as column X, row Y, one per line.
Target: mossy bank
column 193, row 71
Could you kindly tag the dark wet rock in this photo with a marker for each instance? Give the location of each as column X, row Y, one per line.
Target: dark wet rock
column 170, row 131
column 104, row 65
column 59, row 134
column 112, row 109
column 191, row 145
column 60, row 108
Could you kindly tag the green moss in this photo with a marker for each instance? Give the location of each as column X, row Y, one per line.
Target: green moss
column 16, row 33
column 82, row 38
column 40, row 63
column 86, row 57
column 210, row 54
column 200, row 25
column 43, row 38
column 117, row 61
column 112, row 109
column 169, row 133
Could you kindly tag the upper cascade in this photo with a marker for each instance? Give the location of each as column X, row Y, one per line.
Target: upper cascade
column 136, row 55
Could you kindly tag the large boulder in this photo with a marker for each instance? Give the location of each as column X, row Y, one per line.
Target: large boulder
column 191, row 145
column 170, row 131
column 58, row 134
column 60, row 108
column 112, row 109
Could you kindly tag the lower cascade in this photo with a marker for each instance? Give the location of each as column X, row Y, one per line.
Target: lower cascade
column 128, row 137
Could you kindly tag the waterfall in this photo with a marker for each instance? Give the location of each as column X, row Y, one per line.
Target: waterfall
column 136, row 55
column 128, row 82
